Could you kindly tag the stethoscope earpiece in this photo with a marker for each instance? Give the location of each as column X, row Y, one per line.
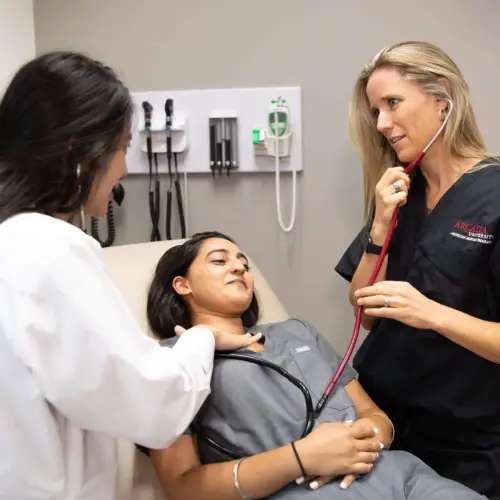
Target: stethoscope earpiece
column 359, row 311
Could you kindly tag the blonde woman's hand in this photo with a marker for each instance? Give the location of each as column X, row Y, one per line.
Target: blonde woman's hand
column 400, row 301
column 224, row 340
column 390, row 192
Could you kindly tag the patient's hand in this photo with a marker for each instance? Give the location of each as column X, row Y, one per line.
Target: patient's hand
column 365, row 423
column 368, row 429
column 335, row 449
column 226, row 341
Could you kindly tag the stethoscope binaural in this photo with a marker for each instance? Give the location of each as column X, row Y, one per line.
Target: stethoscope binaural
column 311, row 412
column 378, row 266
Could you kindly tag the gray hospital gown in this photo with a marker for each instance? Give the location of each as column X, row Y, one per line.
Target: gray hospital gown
column 253, row 409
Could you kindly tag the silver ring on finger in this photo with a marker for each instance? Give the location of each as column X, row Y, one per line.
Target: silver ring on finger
column 396, row 186
column 387, row 301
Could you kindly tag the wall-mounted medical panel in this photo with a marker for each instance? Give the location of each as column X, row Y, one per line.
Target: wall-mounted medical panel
column 218, row 131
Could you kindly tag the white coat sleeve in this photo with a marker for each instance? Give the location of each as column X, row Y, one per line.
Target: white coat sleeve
column 98, row 368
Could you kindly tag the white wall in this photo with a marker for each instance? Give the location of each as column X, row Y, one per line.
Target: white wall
column 17, row 37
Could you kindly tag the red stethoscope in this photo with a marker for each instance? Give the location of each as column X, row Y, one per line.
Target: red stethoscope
column 376, row 270
column 313, row 412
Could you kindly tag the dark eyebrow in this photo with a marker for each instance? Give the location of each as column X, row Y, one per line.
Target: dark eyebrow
column 223, row 250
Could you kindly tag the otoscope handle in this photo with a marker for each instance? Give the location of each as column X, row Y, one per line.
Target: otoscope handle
column 169, row 215
column 212, row 149
column 169, row 147
column 180, row 208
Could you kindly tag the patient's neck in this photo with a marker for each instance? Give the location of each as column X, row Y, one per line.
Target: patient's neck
column 227, row 323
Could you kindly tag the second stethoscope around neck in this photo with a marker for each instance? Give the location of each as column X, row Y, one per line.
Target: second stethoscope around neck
column 311, row 415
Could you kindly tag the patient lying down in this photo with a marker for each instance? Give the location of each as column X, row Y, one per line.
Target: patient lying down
column 259, row 412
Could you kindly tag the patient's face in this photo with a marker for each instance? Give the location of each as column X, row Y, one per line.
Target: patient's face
column 219, row 280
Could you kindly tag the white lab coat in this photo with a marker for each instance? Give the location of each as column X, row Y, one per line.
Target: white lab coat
column 76, row 371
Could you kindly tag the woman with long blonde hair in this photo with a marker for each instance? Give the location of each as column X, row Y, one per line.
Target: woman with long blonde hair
column 432, row 357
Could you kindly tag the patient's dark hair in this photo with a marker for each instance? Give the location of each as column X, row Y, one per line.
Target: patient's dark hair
column 166, row 308
column 61, row 109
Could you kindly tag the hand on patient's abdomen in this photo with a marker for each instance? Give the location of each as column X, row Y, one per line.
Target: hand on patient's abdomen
column 337, row 449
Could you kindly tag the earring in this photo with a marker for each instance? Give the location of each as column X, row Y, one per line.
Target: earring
column 83, row 226
column 82, row 212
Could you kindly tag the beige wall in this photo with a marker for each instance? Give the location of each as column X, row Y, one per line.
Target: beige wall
column 17, row 37
column 162, row 44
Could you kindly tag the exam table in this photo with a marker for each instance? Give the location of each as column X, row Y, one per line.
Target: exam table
column 131, row 267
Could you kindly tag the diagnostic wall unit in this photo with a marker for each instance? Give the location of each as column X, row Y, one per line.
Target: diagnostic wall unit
column 242, row 111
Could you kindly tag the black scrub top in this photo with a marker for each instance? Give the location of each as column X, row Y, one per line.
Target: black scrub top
column 452, row 256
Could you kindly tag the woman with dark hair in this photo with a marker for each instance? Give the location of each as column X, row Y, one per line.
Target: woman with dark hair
column 259, row 413
column 76, row 370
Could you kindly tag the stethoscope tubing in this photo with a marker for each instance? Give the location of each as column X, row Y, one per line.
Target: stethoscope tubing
column 310, row 416
column 359, row 311
column 313, row 413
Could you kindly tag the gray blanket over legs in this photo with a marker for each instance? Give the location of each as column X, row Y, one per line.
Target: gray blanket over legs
column 397, row 476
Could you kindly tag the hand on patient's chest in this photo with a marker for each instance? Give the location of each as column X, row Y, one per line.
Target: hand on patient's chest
column 226, row 340
column 257, row 347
